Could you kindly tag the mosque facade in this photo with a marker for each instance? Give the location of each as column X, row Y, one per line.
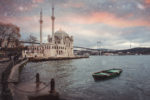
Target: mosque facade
column 60, row 44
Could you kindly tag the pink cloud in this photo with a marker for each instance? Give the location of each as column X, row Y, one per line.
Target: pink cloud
column 106, row 18
column 147, row 1
column 26, row 23
column 113, row 20
column 31, row 23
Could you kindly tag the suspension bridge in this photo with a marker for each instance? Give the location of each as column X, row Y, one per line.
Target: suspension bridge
column 77, row 47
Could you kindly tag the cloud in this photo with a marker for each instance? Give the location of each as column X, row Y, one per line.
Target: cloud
column 73, row 5
column 140, row 6
column 111, row 37
column 137, row 34
column 17, row 7
column 37, row 1
column 106, row 18
column 26, row 23
column 114, row 22
column 147, row 1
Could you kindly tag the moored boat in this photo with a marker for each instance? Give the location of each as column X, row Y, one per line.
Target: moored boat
column 106, row 74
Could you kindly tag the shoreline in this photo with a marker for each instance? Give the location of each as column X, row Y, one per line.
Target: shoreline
column 11, row 70
column 55, row 58
column 13, row 76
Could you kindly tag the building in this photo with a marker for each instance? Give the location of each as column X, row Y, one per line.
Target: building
column 8, row 43
column 60, row 44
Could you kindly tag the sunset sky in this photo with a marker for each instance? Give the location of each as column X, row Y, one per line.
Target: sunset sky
column 116, row 23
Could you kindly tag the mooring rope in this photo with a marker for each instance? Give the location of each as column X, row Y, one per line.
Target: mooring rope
column 11, row 80
column 38, row 90
column 29, row 80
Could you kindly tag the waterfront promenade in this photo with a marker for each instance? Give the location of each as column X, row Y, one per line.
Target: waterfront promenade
column 6, row 68
column 11, row 89
column 3, row 65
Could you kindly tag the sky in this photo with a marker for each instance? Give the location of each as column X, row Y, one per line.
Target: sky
column 111, row 24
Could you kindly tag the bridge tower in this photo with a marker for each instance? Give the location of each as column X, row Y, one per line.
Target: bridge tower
column 41, row 22
column 53, row 19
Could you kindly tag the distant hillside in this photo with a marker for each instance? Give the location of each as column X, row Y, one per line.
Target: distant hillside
column 138, row 50
column 132, row 51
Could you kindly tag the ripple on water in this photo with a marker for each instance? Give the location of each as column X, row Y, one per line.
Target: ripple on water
column 74, row 77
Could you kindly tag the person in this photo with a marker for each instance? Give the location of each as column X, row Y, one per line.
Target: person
column 12, row 60
column 9, row 55
column 52, row 84
column 37, row 79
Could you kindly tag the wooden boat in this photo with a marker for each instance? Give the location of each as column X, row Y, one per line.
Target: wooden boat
column 106, row 74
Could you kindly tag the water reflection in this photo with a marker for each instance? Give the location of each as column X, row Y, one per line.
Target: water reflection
column 74, row 77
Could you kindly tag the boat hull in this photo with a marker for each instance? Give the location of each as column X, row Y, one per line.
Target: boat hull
column 106, row 74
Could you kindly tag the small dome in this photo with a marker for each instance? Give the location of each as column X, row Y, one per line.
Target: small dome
column 60, row 33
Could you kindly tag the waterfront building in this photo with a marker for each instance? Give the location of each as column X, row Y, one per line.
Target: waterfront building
column 60, row 44
column 4, row 43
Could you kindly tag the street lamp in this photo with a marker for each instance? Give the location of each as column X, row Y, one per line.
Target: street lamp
column 99, row 42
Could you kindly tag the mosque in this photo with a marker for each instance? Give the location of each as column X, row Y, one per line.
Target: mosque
column 60, row 44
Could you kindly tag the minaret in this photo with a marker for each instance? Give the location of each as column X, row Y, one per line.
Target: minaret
column 41, row 22
column 53, row 19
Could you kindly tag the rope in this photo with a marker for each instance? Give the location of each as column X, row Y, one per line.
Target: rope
column 32, row 78
column 24, row 80
column 38, row 90
column 11, row 80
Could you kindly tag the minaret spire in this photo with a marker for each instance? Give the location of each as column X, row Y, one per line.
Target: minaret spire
column 41, row 22
column 53, row 19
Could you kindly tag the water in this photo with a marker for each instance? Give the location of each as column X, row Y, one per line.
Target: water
column 74, row 79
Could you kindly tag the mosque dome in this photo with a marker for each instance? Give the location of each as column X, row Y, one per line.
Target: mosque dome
column 60, row 33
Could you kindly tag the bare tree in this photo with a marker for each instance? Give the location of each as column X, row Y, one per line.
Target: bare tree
column 31, row 39
column 9, row 33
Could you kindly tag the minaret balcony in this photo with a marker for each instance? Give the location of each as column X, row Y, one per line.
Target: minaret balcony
column 41, row 21
column 53, row 17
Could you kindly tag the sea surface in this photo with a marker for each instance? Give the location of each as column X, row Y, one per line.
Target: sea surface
column 74, row 79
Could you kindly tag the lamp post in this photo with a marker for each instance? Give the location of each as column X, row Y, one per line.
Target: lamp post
column 99, row 42
column 130, row 44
